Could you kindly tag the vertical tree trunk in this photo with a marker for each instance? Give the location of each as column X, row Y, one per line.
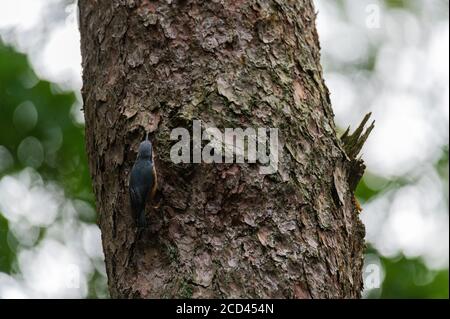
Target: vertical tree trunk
column 222, row 230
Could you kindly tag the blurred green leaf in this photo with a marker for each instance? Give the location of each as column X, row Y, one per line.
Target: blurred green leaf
column 37, row 129
column 62, row 140
column 410, row 278
column 6, row 254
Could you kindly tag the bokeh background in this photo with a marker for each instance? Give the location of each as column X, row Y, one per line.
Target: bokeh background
column 388, row 57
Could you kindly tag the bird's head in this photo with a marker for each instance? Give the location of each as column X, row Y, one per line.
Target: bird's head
column 145, row 149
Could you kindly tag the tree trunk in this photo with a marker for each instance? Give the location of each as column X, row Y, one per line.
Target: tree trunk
column 221, row 230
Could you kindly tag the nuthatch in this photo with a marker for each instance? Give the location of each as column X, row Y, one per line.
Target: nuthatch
column 143, row 181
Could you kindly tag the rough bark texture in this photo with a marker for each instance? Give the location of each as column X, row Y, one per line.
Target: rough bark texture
column 222, row 230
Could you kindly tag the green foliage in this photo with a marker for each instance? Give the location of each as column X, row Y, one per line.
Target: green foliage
column 396, row 3
column 410, row 278
column 6, row 253
column 38, row 129
column 34, row 108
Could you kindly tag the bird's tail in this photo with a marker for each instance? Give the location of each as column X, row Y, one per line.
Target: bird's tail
column 141, row 220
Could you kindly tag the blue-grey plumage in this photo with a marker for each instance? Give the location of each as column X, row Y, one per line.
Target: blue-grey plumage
column 142, row 181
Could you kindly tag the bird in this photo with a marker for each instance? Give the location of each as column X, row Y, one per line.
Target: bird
column 143, row 182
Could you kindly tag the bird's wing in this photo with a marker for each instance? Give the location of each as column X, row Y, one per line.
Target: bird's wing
column 136, row 199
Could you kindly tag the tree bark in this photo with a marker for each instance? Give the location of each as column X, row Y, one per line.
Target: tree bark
column 222, row 230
